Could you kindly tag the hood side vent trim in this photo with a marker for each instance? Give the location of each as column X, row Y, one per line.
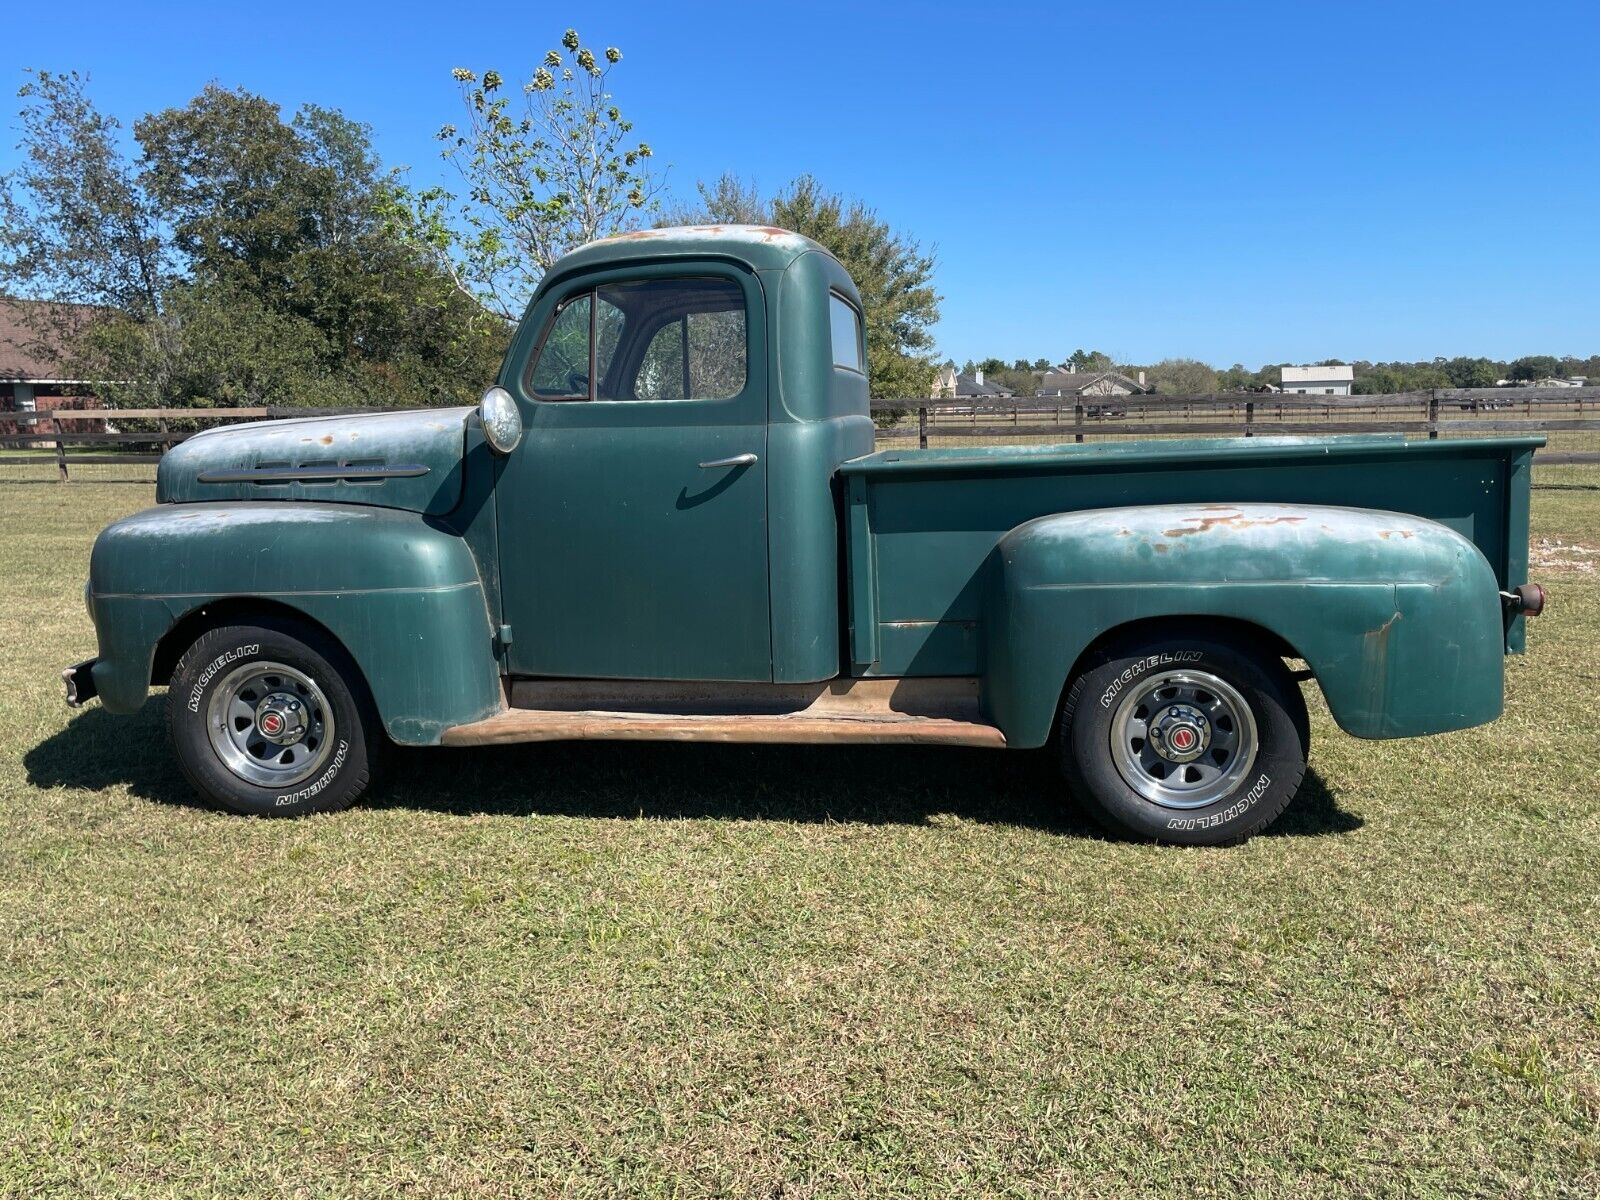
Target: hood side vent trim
column 354, row 472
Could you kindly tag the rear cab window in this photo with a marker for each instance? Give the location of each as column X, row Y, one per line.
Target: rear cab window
column 845, row 323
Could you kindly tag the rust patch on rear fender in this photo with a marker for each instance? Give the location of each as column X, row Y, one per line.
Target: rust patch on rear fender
column 1375, row 663
column 1235, row 520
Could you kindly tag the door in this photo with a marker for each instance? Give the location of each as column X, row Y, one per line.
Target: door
column 633, row 516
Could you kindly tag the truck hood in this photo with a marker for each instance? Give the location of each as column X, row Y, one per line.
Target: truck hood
column 404, row 460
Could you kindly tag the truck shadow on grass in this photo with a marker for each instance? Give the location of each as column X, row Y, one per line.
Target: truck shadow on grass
column 659, row 780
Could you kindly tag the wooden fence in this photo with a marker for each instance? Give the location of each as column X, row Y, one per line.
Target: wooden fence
column 1442, row 412
column 923, row 422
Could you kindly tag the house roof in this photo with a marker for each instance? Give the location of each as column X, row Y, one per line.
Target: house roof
column 1073, row 383
column 968, row 386
column 1338, row 374
column 27, row 330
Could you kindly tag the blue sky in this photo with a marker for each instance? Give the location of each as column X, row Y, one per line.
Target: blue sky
column 1234, row 182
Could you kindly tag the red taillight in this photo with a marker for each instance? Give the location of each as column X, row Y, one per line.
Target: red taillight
column 1530, row 599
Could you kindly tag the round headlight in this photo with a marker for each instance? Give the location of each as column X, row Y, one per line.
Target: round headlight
column 502, row 423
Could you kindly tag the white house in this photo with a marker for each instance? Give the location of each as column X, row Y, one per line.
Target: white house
column 1318, row 381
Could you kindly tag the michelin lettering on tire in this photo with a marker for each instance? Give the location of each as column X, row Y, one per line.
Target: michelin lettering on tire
column 1166, row 658
column 322, row 782
column 1237, row 809
column 215, row 665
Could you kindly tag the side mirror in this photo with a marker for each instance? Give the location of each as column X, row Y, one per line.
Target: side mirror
column 502, row 423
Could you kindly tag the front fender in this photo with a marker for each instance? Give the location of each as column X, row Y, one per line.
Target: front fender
column 1399, row 618
column 401, row 595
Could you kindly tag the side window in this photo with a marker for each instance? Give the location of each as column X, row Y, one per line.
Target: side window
column 657, row 339
column 562, row 372
column 846, row 326
column 677, row 339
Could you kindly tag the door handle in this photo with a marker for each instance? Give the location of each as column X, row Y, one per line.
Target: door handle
column 738, row 460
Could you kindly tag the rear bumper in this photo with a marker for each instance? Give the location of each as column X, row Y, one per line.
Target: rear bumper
column 80, row 683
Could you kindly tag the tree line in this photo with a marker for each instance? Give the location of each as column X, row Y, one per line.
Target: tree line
column 242, row 255
column 1190, row 376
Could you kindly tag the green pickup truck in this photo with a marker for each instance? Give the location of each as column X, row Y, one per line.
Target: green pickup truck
column 667, row 520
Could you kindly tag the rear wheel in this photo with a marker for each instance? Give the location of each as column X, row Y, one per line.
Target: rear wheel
column 273, row 719
column 1184, row 736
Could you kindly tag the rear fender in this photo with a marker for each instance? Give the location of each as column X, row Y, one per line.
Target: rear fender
column 402, row 596
column 1399, row 618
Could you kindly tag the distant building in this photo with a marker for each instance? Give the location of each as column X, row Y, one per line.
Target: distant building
column 1564, row 381
column 31, row 372
column 1318, row 381
column 1063, row 382
column 950, row 384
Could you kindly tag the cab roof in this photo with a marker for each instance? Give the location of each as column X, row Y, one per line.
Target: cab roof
column 763, row 247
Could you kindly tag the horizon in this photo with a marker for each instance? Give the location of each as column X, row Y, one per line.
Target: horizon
column 1374, row 189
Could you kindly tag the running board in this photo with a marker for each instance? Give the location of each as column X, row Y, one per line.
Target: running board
column 930, row 712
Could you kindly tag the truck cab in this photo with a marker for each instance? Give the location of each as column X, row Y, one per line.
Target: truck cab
column 672, row 515
column 667, row 520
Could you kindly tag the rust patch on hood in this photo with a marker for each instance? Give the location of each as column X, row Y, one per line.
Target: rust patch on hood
column 1386, row 534
column 1235, row 520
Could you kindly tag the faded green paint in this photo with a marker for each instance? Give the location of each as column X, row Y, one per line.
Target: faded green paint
column 599, row 548
column 926, row 528
column 432, row 438
column 401, row 595
column 1399, row 617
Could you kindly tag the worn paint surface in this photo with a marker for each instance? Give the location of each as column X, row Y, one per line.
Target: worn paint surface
column 923, row 527
column 600, row 549
column 431, row 438
column 1403, row 631
column 403, row 597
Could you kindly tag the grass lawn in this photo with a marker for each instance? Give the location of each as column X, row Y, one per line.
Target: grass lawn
column 632, row 970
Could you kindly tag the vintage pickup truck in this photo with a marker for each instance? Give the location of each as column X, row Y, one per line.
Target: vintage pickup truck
column 667, row 520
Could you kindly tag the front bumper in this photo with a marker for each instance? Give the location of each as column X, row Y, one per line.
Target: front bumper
column 80, row 683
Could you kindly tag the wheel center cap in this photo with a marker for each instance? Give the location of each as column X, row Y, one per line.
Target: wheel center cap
column 1180, row 733
column 281, row 718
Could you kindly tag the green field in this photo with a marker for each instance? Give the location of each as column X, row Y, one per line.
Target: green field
column 632, row 970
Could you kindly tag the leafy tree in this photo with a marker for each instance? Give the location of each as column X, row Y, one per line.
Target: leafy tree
column 247, row 260
column 75, row 225
column 1090, row 360
column 729, row 200
column 1535, row 366
column 892, row 272
column 1398, row 377
column 1471, row 372
column 1182, row 377
column 544, row 173
column 1237, row 378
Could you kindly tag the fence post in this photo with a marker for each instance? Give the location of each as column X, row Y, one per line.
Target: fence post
column 922, row 427
column 1433, row 414
column 1077, row 419
column 1249, row 417
column 61, row 460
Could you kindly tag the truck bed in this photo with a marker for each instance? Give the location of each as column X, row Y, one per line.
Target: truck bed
column 920, row 524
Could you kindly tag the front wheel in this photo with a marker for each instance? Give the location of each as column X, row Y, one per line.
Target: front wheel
column 1184, row 736
column 272, row 719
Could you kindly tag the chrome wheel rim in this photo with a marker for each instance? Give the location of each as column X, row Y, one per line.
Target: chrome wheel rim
column 270, row 724
column 1184, row 739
